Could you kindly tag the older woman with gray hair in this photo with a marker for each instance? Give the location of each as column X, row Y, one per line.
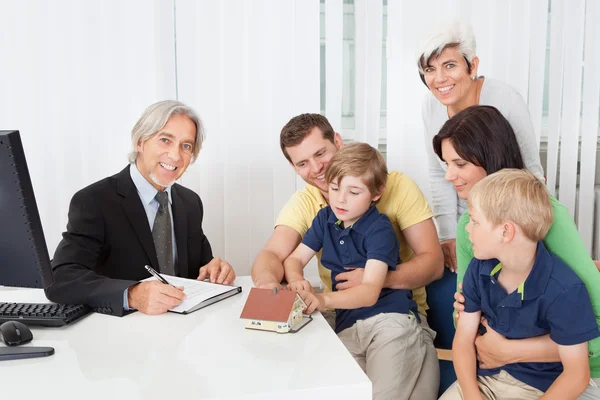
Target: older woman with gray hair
column 448, row 66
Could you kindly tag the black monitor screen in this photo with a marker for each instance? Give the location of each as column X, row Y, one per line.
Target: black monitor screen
column 24, row 259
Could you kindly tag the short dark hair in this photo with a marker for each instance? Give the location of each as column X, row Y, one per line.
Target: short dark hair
column 294, row 132
column 482, row 136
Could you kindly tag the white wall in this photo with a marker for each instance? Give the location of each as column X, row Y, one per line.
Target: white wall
column 247, row 67
column 76, row 75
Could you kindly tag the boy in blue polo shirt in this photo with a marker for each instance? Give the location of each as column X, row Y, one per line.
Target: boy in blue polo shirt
column 378, row 325
column 523, row 291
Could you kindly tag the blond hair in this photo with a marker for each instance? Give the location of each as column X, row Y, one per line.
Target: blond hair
column 359, row 160
column 514, row 195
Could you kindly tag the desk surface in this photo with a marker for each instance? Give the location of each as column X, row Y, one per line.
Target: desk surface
column 207, row 355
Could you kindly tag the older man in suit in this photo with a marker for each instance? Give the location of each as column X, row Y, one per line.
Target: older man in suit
column 139, row 217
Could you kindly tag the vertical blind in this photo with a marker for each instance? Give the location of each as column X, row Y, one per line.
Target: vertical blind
column 76, row 76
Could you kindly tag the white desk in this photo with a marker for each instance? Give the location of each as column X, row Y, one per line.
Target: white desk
column 205, row 355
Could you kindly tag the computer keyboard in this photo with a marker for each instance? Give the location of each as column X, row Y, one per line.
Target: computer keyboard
column 52, row 315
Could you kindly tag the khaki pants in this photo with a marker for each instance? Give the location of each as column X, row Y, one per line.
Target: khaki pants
column 593, row 390
column 428, row 383
column 391, row 349
column 501, row 386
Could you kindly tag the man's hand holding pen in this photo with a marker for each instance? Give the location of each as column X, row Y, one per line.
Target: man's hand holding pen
column 154, row 297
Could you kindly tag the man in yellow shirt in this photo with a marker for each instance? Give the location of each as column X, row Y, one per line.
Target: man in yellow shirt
column 309, row 142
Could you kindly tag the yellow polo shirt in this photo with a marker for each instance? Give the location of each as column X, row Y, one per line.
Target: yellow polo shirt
column 402, row 201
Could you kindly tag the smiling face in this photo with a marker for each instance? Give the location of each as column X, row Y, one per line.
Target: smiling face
column 449, row 79
column 350, row 198
column 485, row 237
column 461, row 173
column 164, row 157
column 311, row 158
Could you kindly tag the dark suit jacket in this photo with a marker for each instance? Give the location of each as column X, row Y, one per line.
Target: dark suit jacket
column 108, row 241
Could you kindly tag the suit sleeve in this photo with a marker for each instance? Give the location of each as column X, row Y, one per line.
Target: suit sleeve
column 206, row 249
column 82, row 246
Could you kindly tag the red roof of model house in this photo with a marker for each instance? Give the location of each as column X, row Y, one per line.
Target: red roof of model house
column 266, row 305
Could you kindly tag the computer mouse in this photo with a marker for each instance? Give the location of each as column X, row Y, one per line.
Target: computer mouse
column 15, row 333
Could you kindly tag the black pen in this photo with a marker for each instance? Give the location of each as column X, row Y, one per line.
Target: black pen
column 157, row 275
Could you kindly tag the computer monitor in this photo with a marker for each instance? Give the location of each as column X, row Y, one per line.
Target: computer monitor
column 24, row 260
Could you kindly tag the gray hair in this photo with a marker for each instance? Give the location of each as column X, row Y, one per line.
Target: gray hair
column 453, row 34
column 155, row 117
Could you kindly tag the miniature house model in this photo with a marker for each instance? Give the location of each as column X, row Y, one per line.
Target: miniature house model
column 273, row 310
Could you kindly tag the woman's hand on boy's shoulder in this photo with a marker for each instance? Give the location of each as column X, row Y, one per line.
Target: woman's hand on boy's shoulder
column 459, row 302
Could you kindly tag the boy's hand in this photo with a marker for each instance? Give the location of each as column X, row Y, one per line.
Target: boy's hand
column 300, row 284
column 313, row 301
column 459, row 303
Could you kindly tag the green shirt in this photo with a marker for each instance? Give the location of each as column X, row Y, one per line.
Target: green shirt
column 563, row 240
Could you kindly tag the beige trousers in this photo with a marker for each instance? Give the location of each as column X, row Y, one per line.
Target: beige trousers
column 501, row 386
column 593, row 390
column 391, row 349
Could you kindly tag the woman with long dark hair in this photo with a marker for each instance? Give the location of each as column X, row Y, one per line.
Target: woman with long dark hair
column 479, row 141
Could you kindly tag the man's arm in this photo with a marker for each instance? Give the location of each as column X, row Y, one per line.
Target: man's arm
column 75, row 280
column 571, row 383
column 267, row 270
column 495, row 350
column 428, row 263
column 463, row 354
column 363, row 295
column 425, row 267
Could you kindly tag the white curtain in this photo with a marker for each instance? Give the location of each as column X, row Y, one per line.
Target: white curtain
column 511, row 44
column 505, row 38
column 247, row 67
column 74, row 78
column 368, row 48
column 589, row 127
